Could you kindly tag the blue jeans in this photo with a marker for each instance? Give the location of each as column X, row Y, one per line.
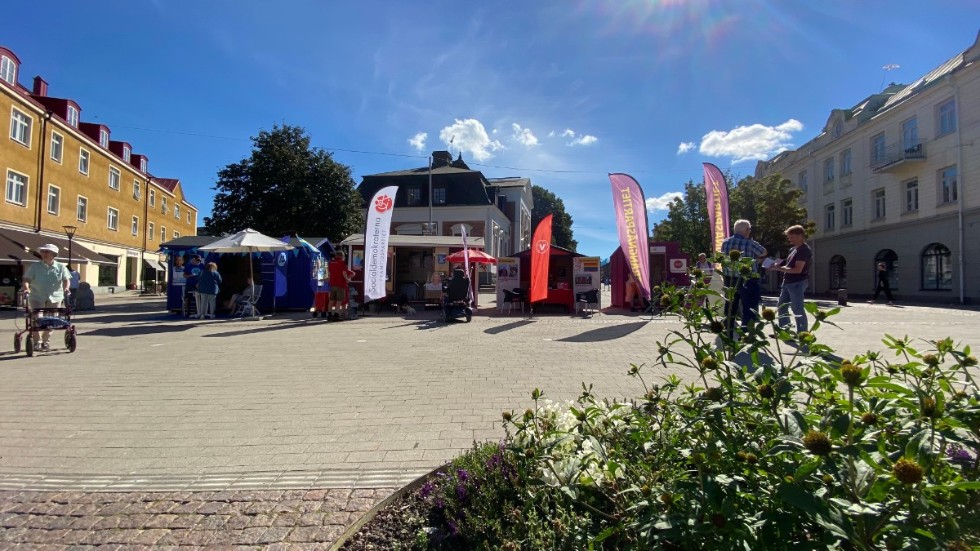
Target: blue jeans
column 792, row 295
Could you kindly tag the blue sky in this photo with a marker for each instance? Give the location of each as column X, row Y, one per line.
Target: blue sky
column 561, row 91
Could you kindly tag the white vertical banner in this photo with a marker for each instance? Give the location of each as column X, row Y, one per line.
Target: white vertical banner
column 466, row 262
column 377, row 227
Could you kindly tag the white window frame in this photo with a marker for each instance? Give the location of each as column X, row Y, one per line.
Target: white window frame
column 72, row 116
column 115, row 177
column 24, row 182
column 163, row 205
column 830, row 217
column 176, row 212
column 163, row 233
column 845, row 162
column 104, row 138
column 948, row 192
column 878, row 202
column 828, row 170
column 81, row 208
column 143, row 165
column 946, row 117
column 911, row 195
column 135, row 228
column 112, row 219
column 847, row 213
column 150, row 230
column 153, row 197
column 176, row 234
column 21, row 129
column 137, row 190
column 8, row 70
column 57, row 194
column 57, row 145
column 127, row 153
column 86, row 157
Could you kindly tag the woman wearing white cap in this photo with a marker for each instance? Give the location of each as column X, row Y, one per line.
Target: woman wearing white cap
column 47, row 283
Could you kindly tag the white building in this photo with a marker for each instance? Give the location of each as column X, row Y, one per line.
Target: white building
column 896, row 178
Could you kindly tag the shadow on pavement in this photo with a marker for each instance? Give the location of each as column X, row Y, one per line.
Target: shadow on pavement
column 133, row 330
column 606, row 333
column 289, row 324
column 507, row 327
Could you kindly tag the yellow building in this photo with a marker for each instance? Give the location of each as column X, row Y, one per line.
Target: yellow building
column 60, row 172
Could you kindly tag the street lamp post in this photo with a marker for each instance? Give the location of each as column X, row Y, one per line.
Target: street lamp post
column 70, row 232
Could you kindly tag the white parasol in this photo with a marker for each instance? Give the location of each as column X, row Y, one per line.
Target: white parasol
column 247, row 241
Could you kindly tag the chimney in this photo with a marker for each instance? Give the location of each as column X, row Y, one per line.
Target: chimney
column 441, row 158
column 40, row 87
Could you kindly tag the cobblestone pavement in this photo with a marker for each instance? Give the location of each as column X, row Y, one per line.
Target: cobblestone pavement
column 165, row 431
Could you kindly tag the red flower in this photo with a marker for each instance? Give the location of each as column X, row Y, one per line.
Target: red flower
column 383, row 203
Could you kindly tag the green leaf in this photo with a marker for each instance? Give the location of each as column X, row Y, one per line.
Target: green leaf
column 801, row 499
column 807, row 468
column 918, row 446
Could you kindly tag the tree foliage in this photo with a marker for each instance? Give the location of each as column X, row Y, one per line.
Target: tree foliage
column 286, row 186
column 545, row 203
column 772, row 204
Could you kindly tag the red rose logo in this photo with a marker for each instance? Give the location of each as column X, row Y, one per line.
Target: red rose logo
column 382, row 204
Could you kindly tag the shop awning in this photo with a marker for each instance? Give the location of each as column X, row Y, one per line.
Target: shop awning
column 31, row 241
column 153, row 265
column 11, row 253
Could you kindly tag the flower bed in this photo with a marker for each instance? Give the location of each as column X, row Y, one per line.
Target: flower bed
column 774, row 448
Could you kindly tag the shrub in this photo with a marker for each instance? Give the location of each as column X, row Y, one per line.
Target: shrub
column 781, row 444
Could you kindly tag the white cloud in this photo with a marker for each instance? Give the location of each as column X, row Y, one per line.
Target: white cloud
column 418, row 140
column 585, row 139
column 568, row 133
column 684, row 147
column 663, row 202
column 755, row 142
column 470, row 136
column 551, row 134
column 524, row 135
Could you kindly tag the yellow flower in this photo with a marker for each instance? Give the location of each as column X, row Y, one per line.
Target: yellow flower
column 907, row 472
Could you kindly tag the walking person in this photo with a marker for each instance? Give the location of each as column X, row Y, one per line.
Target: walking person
column 796, row 278
column 748, row 292
column 207, row 289
column 75, row 279
column 882, row 284
column 46, row 284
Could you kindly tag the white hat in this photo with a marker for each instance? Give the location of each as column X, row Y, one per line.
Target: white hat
column 49, row 247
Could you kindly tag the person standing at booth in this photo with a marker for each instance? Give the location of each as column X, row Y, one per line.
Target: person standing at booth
column 340, row 277
column 796, row 277
column 192, row 273
column 748, row 292
column 208, row 287
column 46, row 285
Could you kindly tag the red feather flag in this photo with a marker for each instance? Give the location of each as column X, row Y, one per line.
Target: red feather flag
column 540, row 255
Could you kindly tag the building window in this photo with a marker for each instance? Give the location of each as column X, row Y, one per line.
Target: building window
column 136, row 226
column 414, row 196
column 846, row 213
column 104, row 138
column 136, row 190
column 947, row 185
column 8, row 70
column 878, row 148
column 54, row 199
column 838, row 128
column 176, row 234
column 439, row 196
column 153, row 198
column 83, row 161
column 803, row 181
column 20, row 127
column 109, row 274
column 149, row 232
column 163, row 233
column 114, row 178
column 845, row 162
column 126, row 153
column 912, row 196
column 112, row 219
column 878, row 199
column 910, row 134
column 16, row 188
column 81, row 209
column 188, row 217
column 176, row 212
column 946, row 112
column 937, row 268
column 830, row 217
column 838, row 272
column 72, row 116
column 163, row 205
column 143, row 166
column 828, row 171
column 57, row 146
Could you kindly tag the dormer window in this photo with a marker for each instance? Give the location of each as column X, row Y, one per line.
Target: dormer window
column 72, row 116
column 838, row 129
column 143, row 166
column 8, row 70
column 104, row 138
column 126, row 153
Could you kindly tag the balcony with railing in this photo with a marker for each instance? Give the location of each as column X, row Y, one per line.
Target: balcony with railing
column 896, row 156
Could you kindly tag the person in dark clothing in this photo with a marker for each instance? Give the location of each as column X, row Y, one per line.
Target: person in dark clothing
column 881, row 284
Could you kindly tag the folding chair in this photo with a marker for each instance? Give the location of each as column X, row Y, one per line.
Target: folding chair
column 246, row 306
column 512, row 297
column 587, row 300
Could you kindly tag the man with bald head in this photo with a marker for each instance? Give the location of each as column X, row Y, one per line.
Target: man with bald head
column 748, row 292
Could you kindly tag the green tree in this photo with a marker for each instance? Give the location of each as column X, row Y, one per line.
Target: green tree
column 545, row 203
column 284, row 187
column 772, row 204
